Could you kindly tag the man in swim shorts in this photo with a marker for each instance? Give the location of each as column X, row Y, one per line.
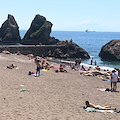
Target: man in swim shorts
column 114, row 79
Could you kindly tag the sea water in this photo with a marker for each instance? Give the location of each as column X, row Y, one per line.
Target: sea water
column 92, row 42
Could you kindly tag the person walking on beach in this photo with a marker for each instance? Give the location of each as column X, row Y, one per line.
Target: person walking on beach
column 91, row 61
column 38, row 67
column 114, row 79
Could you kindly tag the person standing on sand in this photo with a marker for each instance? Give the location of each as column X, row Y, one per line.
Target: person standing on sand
column 38, row 67
column 76, row 61
column 79, row 61
column 114, row 79
column 91, row 61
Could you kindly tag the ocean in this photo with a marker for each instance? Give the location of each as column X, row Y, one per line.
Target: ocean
column 92, row 42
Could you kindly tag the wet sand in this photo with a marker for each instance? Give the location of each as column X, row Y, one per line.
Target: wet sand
column 52, row 96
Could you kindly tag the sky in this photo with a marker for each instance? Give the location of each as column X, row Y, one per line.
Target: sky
column 65, row 15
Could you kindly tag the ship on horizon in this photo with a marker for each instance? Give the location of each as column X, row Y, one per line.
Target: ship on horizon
column 89, row 31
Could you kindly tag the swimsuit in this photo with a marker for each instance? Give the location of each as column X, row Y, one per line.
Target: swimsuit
column 38, row 69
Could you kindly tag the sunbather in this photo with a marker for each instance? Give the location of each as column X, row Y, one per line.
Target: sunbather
column 97, row 106
column 62, row 69
column 12, row 66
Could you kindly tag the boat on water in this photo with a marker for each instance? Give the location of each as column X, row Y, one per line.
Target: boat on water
column 89, row 31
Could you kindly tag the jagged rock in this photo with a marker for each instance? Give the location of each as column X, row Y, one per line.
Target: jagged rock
column 111, row 50
column 39, row 32
column 72, row 50
column 9, row 31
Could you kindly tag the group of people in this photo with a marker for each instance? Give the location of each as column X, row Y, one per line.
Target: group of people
column 42, row 64
column 78, row 61
column 91, row 63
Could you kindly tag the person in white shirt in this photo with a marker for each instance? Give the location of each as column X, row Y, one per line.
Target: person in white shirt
column 114, row 79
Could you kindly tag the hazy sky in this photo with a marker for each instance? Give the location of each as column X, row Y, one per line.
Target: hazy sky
column 66, row 15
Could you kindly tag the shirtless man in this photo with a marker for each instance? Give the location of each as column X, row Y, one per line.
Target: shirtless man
column 98, row 106
column 114, row 79
column 38, row 67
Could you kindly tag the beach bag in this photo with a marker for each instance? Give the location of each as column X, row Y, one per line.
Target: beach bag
column 56, row 71
column 107, row 89
column 29, row 73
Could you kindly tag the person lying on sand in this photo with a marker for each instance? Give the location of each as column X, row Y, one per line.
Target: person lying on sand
column 47, row 66
column 97, row 68
column 83, row 68
column 62, row 69
column 72, row 66
column 12, row 66
column 97, row 106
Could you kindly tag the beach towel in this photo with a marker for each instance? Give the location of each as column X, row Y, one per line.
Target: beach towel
column 107, row 90
column 108, row 80
column 90, row 109
column 102, row 89
column 44, row 70
column 35, row 74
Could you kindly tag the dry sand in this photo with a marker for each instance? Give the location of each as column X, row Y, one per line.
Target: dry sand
column 52, row 96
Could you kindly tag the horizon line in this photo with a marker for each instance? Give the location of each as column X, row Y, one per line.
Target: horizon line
column 74, row 31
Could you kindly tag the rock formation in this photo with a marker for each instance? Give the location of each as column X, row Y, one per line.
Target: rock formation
column 39, row 32
column 72, row 50
column 111, row 50
column 9, row 31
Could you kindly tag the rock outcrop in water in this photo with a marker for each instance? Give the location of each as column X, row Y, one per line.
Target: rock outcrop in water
column 9, row 31
column 111, row 50
column 39, row 32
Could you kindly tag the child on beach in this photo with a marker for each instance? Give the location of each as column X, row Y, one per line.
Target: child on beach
column 38, row 64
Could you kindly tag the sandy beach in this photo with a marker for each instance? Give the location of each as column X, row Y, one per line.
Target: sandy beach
column 52, row 96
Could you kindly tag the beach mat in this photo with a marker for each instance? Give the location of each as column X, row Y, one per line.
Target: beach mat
column 34, row 74
column 108, row 80
column 90, row 109
column 107, row 90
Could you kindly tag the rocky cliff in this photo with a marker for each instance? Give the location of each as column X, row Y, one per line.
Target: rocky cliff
column 9, row 31
column 72, row 50
column 111, row 50
column 39, row 32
